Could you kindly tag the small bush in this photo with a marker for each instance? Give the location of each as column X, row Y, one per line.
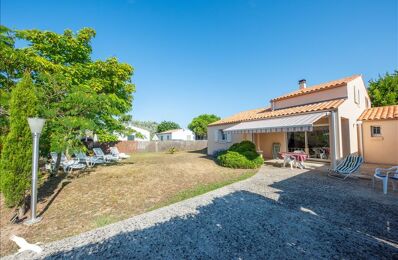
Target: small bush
column 172, row 150
column 241, row 155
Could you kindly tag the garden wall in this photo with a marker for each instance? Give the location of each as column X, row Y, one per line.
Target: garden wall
column 160, row 146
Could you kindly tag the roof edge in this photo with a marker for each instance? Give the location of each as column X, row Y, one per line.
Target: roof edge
column 288, row 95
column 308, row 112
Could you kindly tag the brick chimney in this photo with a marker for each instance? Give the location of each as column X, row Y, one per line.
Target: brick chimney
column 302, row 84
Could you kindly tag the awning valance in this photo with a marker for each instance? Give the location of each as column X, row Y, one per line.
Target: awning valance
column 298, row 123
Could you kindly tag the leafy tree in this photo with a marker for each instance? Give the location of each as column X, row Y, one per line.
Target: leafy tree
column 199, row 124
column 76, row 93
column 384, row 90
column 167, row 125
column 16, row 158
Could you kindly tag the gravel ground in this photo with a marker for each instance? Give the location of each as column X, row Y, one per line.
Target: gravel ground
column 278, row 213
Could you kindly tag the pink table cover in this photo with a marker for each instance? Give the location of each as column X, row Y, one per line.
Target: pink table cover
column 298, row 156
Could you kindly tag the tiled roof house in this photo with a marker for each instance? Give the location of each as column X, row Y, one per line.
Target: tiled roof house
column 321, row 120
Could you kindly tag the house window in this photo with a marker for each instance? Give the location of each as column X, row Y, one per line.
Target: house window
column 356, row 95
column 168, row 137
column 130, row 138
column 161, row 138
column 222, row 135
column 375, row 131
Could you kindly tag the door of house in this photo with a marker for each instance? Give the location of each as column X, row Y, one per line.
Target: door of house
column 276, row 149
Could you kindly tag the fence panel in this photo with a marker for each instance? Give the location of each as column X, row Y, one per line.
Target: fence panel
column 160, row 146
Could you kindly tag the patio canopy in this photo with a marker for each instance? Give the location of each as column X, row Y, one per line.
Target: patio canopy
column 297, row 123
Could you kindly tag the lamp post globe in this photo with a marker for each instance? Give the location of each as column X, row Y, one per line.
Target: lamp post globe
column 36, row 124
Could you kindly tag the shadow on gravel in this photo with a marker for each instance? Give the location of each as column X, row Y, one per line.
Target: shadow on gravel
column 351, row 203
column 239, row 225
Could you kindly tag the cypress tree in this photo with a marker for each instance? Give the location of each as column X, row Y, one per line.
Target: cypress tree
column 16, row 156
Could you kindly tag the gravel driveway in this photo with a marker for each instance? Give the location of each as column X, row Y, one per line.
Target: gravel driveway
column 278, row 213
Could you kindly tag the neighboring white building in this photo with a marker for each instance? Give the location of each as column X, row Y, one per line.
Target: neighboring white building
column 132, row 137
column 176, row 134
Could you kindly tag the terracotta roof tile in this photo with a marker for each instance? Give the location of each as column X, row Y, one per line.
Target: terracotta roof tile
column 380, row 113
column 263, row 113
column 319, row 87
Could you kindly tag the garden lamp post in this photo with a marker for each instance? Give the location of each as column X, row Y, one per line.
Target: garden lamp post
column 36, row 125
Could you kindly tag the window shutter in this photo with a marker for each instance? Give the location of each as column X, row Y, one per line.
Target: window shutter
column 216, row 132
column 229, row 137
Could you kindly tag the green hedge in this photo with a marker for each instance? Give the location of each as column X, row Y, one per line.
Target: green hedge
column 242, row 155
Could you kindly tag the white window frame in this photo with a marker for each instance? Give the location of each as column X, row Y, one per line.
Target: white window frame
column 372, row 132
column 356, row 95
column 223, row 137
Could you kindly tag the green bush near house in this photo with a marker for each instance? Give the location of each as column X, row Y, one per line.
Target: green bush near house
column 242, row 155
column 243, row 147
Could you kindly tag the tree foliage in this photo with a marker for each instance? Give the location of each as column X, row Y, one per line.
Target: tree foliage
column 384, row 90
column 167, row 125
column 16, row 158
column 76, row 93
column 199, row 124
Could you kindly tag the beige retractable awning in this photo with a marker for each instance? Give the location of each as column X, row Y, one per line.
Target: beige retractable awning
column 298, row 123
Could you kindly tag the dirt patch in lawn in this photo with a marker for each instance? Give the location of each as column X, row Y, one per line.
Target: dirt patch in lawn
column 73, row 204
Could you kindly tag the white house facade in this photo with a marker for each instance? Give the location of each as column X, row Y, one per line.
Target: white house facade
column 146, row 135
column 176, row 134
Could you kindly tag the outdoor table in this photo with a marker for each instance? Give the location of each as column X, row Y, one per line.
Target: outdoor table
column 299, row 158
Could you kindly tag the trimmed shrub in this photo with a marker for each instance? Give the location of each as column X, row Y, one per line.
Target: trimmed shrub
column 243, row 147
column 16, row 157
column 242, row 155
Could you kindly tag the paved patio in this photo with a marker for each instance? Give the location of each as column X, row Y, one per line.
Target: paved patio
column 278, row 213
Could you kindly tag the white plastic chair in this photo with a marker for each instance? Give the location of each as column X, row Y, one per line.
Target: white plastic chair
column 384, row 175
column 288, row 159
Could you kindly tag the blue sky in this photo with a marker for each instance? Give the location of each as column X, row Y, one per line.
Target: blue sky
column 221, row 57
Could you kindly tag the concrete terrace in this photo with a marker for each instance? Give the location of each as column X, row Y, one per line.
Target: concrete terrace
column 278, row 213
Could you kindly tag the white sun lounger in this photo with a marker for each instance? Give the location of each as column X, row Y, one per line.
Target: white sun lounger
column 67, row 165
column 88, row 160
column 106, row 157
column 115, row 152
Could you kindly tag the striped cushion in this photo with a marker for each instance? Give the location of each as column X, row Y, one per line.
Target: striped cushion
column 349, row 165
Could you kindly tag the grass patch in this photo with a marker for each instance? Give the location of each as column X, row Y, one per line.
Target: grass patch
column 201, row 189
column 104, row 220
column 114, row 192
